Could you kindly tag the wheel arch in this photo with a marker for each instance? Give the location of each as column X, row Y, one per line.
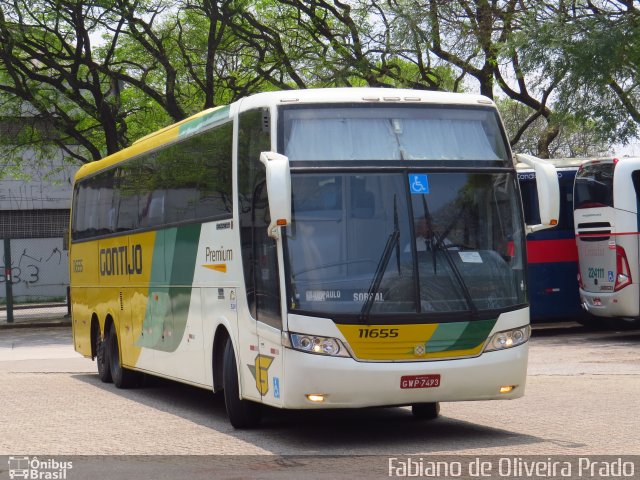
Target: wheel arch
column 97, row 331
column 108, row 325
column 217, row 356
column 95, row 334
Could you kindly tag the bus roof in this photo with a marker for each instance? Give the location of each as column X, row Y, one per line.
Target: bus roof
column 613, row 159
column 360, row 95
column 206, row 118
column 563, row 162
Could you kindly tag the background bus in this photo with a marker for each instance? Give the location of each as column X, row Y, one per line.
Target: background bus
column 330, row 248
column 552, row 256
column 606, row 218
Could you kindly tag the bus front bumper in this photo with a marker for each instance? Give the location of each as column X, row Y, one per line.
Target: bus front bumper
column 623, row 303
column 346, row 383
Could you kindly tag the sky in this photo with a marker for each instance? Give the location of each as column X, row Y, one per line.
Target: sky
column 630, row 150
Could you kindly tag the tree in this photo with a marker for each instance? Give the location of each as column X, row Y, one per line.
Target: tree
column 593, row 48
column 475, row 38
column 575, row 139
column 101, row 74
column 47, row 64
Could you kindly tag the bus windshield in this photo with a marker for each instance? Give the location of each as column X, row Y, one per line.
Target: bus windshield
column 369, row 132
column 456, row 243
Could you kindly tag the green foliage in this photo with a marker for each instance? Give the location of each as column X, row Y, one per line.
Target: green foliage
column 101, row 74
column 576, row 138
column 594, row 51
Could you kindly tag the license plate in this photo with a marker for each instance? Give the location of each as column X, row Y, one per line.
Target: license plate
column 420, row 381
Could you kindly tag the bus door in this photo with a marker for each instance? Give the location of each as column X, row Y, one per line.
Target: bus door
column 268, row 363
column 260, row 332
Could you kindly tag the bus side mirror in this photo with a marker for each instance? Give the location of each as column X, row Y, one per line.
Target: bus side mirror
column 548, row 192
column 278, row 190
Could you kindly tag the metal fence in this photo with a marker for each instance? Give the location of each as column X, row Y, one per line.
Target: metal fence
column 34, row 279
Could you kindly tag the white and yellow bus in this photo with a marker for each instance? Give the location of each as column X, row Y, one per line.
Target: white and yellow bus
column 323, row 248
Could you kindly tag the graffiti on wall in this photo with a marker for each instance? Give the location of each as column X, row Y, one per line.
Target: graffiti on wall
column 28, row 267
column 36, row 264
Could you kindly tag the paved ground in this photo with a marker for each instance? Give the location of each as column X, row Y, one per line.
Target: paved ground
column 582, row 398
column 43, row 315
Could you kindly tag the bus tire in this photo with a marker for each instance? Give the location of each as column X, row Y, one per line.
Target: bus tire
column 426, row 411
column 122, row 377
column 102, row 359
column 241, row 413
column 591, row 321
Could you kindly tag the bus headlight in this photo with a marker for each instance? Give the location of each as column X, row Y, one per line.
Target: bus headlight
column 508, row 339
column 319, row 345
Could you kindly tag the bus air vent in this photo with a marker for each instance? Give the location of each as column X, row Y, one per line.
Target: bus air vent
column 595, row 225
column 594, row 231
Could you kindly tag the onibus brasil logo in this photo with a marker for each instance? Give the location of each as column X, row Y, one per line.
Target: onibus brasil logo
column 33, row 468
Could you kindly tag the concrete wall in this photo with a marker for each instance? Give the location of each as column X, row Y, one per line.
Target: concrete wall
column 40, row 270
column 38, row 185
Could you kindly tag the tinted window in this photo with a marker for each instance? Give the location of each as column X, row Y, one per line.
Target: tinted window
column 93, row 212
column 259, row 257
column 528, row 190
column 187, row 181
column 128, row 193
column 635, row 178
column 456, row 247
column 594, row 186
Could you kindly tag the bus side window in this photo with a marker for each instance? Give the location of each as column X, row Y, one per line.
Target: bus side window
column 530, row 202
column 126, row 198
column 104, row 207
column 266, row 262
column 635, row 178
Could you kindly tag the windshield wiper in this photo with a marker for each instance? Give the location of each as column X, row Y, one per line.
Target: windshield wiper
column 396, row 226
column 440, row 246
column 429, row 241
column 392, row 241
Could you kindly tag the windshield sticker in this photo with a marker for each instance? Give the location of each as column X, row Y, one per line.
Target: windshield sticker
column 341, row 296
column 470, row 257
column 323, row 295
column 276, row 387
column 419, row 183
column 363, row 297
column 233, row 304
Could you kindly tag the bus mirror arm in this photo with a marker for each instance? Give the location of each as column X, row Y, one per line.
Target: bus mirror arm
column 278, row 190
column 548, row 191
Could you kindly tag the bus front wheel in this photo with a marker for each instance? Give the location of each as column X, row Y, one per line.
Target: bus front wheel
column 122, row 377
column 426, row 411
column 241, row 413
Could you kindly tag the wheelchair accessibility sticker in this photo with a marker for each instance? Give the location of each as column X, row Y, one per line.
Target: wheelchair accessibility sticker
column 418, row 183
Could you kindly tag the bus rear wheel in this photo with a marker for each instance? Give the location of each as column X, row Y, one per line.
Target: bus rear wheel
column 426, row 411
column 122, row 377
column 102, row 359
column 241, row 413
